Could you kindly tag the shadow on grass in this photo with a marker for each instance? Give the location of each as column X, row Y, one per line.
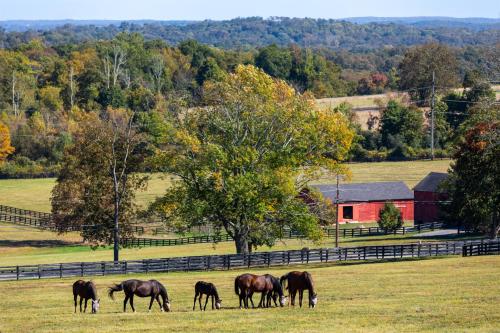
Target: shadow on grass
column 35, row 243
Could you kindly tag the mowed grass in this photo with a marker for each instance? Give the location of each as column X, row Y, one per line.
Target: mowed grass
column 35, row 193
column 451, row 294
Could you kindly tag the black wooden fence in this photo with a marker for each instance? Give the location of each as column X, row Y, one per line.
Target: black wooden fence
column 480, row 249
column 287, row 234
column 229, row 261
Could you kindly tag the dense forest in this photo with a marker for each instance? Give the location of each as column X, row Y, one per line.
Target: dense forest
column 50, row 78
column 248, row 33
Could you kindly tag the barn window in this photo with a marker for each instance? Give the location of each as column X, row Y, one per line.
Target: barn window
column 347, row 212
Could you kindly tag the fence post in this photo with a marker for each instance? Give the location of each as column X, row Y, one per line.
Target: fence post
column 17, row 272
column 125, row 266
column 268, row 259
column 60, row 270
column 39, row 273
column 81, row 268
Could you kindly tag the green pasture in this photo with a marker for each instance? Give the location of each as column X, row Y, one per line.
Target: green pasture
column 35, row 193
column 452, row 294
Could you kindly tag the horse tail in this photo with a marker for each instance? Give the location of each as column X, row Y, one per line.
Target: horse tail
column 236, row 286
column 112, row 289
column 283, row 281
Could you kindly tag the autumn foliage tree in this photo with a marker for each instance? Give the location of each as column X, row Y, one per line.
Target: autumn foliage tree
column 474, row 177
column 96, row 186
column 242, row 161
column 5, row 148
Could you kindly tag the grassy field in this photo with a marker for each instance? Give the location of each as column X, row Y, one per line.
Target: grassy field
column 35, row 193
column 452, row 294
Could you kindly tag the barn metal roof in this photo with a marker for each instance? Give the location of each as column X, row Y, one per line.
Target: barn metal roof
column 431, row 182
column 364, row 192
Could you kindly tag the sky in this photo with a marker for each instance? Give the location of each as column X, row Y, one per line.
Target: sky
column 227, row 9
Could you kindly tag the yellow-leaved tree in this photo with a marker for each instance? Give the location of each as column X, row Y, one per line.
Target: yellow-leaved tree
column 242, row 160
column 5, row 148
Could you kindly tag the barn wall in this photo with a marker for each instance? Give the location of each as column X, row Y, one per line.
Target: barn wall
column 427, row 206
column 369, row 211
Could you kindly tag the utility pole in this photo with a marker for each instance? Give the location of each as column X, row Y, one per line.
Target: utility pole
column 337, row 215
column 432, row 114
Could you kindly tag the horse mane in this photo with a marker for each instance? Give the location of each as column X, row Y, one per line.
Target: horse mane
column 163, row 291
column 277, row 285
column 309, row 282
column 283, row 281
column 92, row 289
column 216, row 293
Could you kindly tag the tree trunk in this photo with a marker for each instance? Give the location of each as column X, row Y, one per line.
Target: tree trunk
column 241, row 243
column 116, row 235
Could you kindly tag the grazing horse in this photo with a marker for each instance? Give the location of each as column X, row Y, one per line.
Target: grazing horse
column 247, row 284
column 86, row 290
column 151, row 288
column 206, row 288
column 277, row 291
column 300, row 281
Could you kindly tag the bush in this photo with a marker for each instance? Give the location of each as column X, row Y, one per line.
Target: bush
column 23, row 167
column 390, row 217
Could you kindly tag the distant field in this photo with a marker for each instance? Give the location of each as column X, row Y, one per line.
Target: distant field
column 35, row 193
column 451, row 294
column 359, row 101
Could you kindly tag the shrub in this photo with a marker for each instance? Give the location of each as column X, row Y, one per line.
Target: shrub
column 390, row 217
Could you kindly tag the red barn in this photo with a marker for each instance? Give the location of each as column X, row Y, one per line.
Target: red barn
column 428, row 194
column 362, row 202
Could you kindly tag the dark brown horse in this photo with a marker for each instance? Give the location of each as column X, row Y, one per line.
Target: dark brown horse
column 86, row 290
column 206, row 288
column 300, row 281
column 277, row 291
column 151, row 288
column 246, row 285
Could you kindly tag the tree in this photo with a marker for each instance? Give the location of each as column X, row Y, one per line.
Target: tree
column 474, row 176
column 275, row 61
column 400, row 124
column 5, row 148
column 417, row 66
column 390, row 217
column 242, row 161
column 96, row 186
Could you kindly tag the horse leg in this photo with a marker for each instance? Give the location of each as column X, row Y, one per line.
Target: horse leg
column 251, row 299
column 159, row 303
column 194, row 302
column 81, row 300
column 199, row 301
column 301, row 295
column 132, row 302
column 206, row 301
column 261, row 303
column 293, row 293
column 212, row 297
column 125, row 303
column 85, row 308
column 75, row 297
column 151, row 302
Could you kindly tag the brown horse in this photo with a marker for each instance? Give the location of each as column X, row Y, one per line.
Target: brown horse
column 151, row 288
column 86, row 290
column 247, row 284
column 206, row 288
column 300, row 281
column 277, row 291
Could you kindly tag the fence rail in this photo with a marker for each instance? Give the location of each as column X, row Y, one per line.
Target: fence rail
column 486, row 248
column 226, row 262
